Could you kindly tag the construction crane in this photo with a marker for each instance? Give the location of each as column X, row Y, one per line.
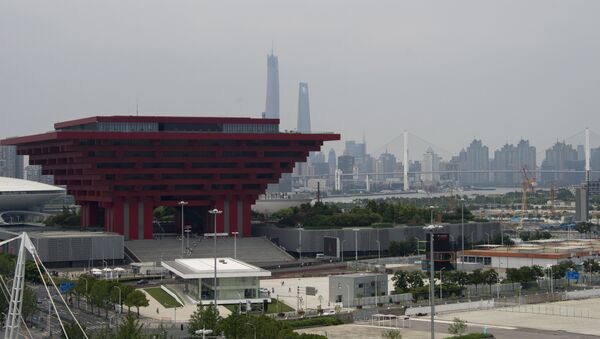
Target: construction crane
column 527, row 185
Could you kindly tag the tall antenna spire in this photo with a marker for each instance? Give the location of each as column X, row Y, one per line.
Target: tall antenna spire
column 272, row 47
column 137, row 107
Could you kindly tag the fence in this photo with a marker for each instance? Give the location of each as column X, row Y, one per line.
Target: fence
column 452, row 307
column 545, row 309
column 366, row 301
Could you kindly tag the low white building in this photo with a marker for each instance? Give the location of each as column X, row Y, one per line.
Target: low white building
column 540, row 252
column 237, row 281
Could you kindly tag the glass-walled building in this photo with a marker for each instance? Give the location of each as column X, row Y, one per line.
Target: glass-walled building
column 237, row 281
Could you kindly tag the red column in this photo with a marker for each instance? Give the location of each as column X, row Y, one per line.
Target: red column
column 148, row 218
column 117, row 216
column 246, row 205
column 84, row 215
column 233, row 214
column 133, row 219
column 107, row 216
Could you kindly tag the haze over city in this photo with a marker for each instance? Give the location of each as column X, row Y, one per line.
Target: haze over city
column 448, row 72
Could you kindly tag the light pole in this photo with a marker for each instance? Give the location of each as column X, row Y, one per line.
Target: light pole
column 300, row 243
column 462, row 232
column 431, row 229
column 356, row 230
column 378, row 252
column 441, row 269
column 488, row 238
column 549, row 267
column 343, row 241
column 182, row 203
column 431, row 208
column 215, row 212
column 235, row 244
column 118, row 288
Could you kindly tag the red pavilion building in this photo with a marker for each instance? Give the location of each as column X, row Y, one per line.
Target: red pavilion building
column 119, row 168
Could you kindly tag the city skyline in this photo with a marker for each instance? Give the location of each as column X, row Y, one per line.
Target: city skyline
column 458, row 72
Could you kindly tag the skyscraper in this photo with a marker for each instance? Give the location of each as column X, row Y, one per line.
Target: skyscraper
column 303, row 109
column 477, row 160
column 272, row 104
column 430, row 165
column 386, row 165
column 11, row 164
column 560, row 158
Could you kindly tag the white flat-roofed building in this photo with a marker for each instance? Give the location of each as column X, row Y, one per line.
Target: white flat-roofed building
column 237, row 281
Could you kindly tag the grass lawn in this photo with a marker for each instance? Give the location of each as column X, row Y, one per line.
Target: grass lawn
column 162, row 297
column 274, row 307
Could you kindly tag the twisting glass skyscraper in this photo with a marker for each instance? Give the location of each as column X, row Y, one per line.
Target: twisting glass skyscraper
column 272, row 104
column 303, row 109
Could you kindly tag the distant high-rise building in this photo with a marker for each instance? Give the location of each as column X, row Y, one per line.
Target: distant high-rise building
column 303, row 109
column 476, row 160
column 595, row 163
column 11, row 164
column 510, row 160
column 431, row 167
column 34, row 173
column 332, row 160
column 385, row 166
column 580, row 153
column 272, row 104
column 350, row 148
column 346, row 164
column 560, row 158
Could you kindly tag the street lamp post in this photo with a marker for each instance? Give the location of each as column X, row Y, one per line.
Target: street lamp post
column 235, row 244
column 431, row 229
column 356, row 230
column 300, row 243
column 549, row 267
column 441, row 294
column 378, row 252
column 215, row 212
column 462, row 232
column 431, row 208
column 182, row 203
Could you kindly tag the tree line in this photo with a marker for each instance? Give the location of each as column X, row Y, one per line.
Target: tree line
column 375, row 213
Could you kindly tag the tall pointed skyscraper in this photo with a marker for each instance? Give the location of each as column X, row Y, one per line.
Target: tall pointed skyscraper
column 272, row 104
column 303, row 109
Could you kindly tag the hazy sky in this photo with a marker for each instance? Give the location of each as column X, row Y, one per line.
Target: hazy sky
column 447, row 71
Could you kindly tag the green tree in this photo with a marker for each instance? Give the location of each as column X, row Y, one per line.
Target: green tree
column 458, row 327
column 130, row 328
column 406, row 281
column 391, row 334
column 560, row 271
column 205, row 318
column 67, row 217
column 29, row 306
column 72, row 331
column 591, row 265
column 137, row 299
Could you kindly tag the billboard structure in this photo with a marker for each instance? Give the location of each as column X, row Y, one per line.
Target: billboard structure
column 444, row 257
column 331, row 247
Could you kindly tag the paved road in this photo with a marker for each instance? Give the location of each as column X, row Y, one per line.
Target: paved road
column 500, row 332
column 421, row 330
